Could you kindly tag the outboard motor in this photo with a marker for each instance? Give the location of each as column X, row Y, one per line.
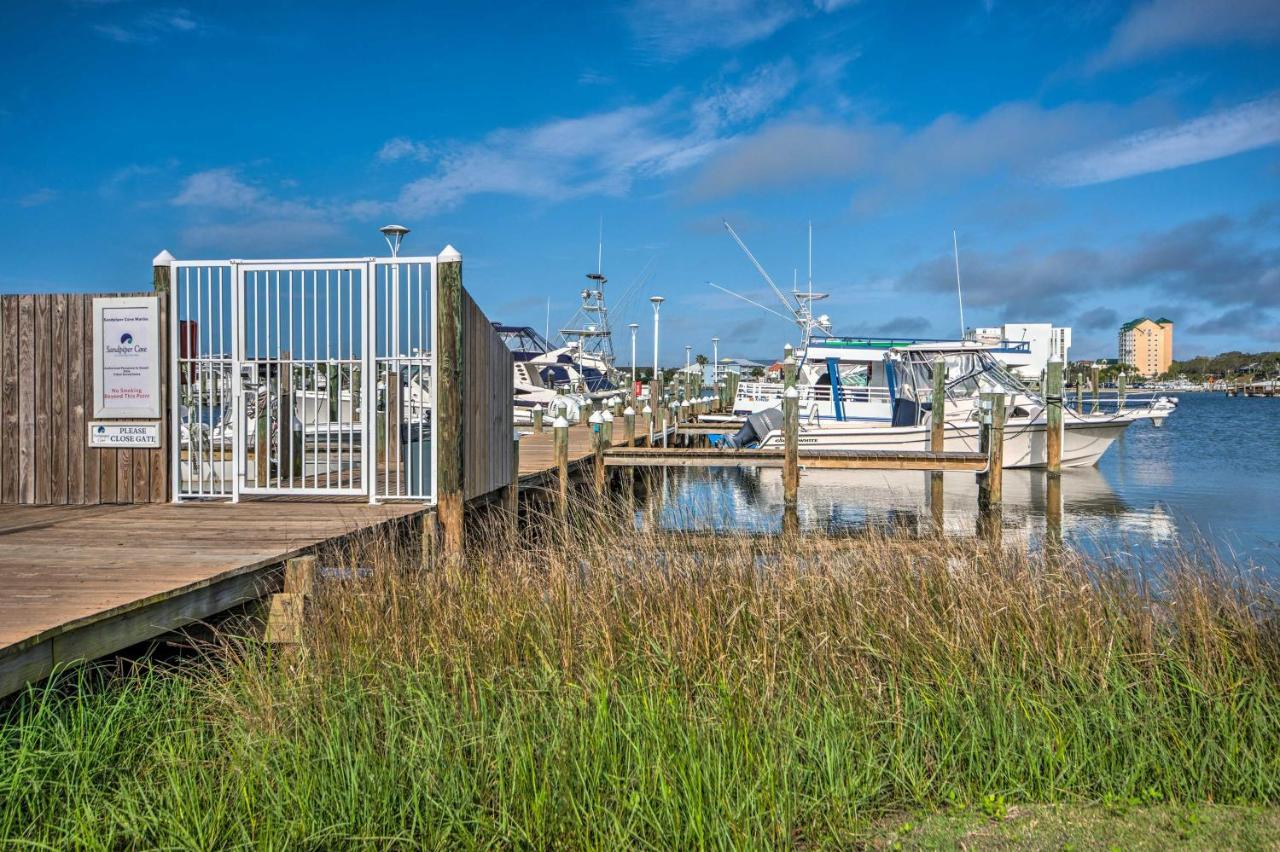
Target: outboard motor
column 754, row 430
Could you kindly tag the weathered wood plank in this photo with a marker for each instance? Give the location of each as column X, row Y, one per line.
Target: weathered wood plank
column 9, row 370
column 27, row 399
column 77, row 431
column 58, row 387
column 92, row 457
column 43, row 339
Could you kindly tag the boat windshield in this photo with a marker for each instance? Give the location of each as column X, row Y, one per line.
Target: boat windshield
column 968, row 374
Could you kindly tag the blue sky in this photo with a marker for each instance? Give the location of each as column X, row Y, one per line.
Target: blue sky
column 1098, row 160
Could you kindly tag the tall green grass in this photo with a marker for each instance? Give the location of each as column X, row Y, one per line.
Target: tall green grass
column 582, row 690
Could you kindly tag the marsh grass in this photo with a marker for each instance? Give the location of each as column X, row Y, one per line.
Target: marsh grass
column 590, row 685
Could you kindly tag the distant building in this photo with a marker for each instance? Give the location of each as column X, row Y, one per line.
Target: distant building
column 773, row 373
column 1147, row 345
column 1046, row 343
column 716, row 372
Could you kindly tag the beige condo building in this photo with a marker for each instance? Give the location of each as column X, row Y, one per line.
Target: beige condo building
column 1147, row 345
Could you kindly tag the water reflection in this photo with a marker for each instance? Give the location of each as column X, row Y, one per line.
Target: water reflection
column 853, row 501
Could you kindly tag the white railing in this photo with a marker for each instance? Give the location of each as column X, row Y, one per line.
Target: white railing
column 771, row 391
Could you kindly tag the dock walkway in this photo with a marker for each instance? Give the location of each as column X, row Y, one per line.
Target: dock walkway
column 81, row 582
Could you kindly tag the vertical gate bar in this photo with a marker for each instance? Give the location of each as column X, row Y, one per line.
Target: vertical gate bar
column 293, row 397
column 423, row 398
column 315, row 368
column 366, row 445
column 337, row 380
column 328, row 386
column 394, row 441
column 237, row 392
column 224, row 344
column 435, row 383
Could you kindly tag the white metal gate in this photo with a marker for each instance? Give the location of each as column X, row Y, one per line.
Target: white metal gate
column 303, row 377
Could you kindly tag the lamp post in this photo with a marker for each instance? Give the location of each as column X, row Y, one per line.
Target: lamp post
column 715, row 360
column 633, row 326
column 657, row 376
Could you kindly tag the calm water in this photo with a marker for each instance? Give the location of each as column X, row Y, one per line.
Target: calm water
column 1210, row 474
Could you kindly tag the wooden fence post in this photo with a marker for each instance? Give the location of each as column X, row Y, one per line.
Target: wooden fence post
column 1053, row 417
column 790, row 461
column 537, row 419
column 162, row 459
column 448, row 360
column 938, row 438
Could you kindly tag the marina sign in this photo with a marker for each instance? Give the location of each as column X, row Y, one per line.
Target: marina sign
column 126, row 357
column 129, row 435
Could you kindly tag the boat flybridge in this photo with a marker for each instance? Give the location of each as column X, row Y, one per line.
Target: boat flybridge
column 871, row 393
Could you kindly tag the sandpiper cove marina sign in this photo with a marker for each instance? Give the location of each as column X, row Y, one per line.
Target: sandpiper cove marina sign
column 126, row 357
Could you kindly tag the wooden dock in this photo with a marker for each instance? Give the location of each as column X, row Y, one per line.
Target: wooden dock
column 82, row 582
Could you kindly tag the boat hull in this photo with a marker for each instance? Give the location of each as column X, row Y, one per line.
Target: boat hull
column 1084, row 442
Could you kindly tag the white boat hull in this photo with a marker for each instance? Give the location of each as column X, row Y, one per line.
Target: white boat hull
column 1083, row 443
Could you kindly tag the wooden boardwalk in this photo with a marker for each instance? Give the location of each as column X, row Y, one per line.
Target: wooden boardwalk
column 81, row 582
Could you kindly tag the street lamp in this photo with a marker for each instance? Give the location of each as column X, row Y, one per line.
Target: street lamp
column 657, row 305
column 715, row 360
column 633, row 326
column 394, row 234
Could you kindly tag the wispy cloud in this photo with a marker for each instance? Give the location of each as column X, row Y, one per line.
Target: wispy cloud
column 671, row 29
column 888, row 159
column 150, row 27
column 599, row 153
column 38, row 198
column 1221, row 134
column 232, row 214
column 1161, row 26
column 402, row 148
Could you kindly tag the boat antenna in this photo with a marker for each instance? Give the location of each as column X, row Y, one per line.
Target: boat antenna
column 810, row 260
column 546, row 329
column 600, row 248
column 757, row 265
column 779, row 314
column 955, row 247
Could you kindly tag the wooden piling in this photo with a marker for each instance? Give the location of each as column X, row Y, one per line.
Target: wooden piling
column 629, row 426
column 791, row 461
column 991, row 481
column 287, row 611
column 1120, row 390
column 1053, row 417
column 938, row 438
column 646, row 415
column 597, row 451
column 1079, row 392
column 449, row 383
column 560, row 429
column 1094, row 372
column 537, row 419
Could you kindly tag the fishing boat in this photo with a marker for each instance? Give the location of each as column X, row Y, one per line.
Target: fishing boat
column 877, row 395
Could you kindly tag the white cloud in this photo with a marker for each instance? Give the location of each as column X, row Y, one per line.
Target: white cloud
column 1220, row 134
column 675, row 28
column 220, row 188
column 38, row 198
column 402, row 148
column 1160, row 26
column 150, row 27
column 1011, row 138
column 599, row 153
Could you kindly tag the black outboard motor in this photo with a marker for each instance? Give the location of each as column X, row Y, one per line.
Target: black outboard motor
column 754, row 430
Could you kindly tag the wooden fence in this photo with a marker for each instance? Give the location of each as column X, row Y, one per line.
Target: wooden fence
column 46, row 403
column 487, row 392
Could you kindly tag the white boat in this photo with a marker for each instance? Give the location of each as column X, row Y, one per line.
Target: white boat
column 876, row 395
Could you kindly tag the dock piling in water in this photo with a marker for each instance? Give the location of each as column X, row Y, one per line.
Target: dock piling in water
column 790, row 461
column 937, row 438
column 560, row 429
column 1053, row 417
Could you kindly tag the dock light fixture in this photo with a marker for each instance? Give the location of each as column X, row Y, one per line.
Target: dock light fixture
column 715, row 360
column 657, row 306
column 688, row 350
column 633, row 326
column 394, row 234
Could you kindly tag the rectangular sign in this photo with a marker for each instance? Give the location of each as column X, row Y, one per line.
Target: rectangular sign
column 126, row 357
column 124, row 434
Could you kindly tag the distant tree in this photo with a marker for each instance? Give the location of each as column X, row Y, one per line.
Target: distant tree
column 702, row 360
